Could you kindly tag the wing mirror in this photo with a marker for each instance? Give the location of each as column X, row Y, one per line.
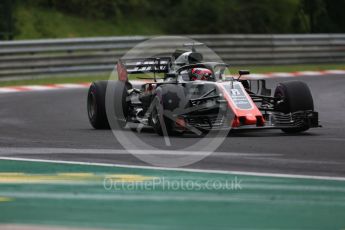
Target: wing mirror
column 243, row 72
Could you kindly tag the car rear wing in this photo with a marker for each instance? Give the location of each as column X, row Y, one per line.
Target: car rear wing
column 146, row 65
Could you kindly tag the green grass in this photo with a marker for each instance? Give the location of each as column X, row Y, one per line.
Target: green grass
column 90, row 78
column 34, row 23
column 64, row 79
column 54, row 80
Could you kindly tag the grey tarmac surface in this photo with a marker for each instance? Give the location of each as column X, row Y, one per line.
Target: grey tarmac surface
column 54, row 125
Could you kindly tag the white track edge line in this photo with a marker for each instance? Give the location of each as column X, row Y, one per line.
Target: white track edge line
column 258, row 174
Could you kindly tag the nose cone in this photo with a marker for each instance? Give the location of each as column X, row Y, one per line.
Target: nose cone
column 250, row 119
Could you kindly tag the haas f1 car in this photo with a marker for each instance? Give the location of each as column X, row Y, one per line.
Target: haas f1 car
column 196, row 96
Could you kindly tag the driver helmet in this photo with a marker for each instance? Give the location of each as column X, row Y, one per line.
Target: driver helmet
column 201, row 74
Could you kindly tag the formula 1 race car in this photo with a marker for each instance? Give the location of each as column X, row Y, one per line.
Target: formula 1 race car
column 197, row 96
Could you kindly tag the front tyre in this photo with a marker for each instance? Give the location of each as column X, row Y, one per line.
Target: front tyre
column 295, row 96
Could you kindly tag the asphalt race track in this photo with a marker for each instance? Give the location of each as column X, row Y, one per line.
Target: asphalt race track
column 54, row 125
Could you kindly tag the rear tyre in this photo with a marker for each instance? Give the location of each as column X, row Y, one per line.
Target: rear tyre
column 296, row 96
column 121, row 106
column 96, row 105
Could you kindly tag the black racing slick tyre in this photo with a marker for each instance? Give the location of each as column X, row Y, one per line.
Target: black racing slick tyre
column 296, row 96
column 96, row 105
column 119, row 94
